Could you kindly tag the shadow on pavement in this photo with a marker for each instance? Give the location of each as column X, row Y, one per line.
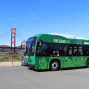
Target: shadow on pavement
column 63, row 69
column 73, row 68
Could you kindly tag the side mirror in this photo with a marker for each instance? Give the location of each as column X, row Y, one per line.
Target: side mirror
column 23, row 42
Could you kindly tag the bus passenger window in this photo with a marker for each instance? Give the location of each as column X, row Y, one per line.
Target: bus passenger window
column 80, row 49
column 75, row 51
column 70, row 51
column 66, row 50
column 86, row 50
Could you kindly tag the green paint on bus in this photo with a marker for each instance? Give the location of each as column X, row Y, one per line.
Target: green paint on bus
column 43, row 62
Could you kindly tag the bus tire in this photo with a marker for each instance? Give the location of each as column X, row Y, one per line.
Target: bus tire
column 87, row 63
column 54, row 66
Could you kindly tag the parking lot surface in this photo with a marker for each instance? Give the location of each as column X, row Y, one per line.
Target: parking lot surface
column 20, row 77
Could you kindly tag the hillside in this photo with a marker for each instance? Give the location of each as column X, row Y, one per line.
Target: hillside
column 23, row 46
column 19, row 51
column 4, row 46
column 7, row 57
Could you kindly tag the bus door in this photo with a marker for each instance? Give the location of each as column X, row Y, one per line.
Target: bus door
column 31, row 52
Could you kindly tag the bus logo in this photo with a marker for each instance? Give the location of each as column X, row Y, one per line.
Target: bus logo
column 59, row 41
column 86, row 42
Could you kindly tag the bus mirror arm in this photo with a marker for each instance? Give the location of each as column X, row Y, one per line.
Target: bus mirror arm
column 40, row 43
column 22, row 42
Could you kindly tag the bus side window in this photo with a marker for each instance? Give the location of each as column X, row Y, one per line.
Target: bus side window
column 44, row 48
column 75, row 51
column 70, row 51
column 56, row 48
column 44, row 45
column 65, row 51
column 80, row 50
column 42, row 51
column 86, row 50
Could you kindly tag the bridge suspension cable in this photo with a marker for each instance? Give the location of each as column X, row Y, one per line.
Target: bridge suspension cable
column 5, row 33
column 19, row 35
column 19, row 38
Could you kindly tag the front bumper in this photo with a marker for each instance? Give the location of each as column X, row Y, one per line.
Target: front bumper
column 26, row 64
column 31, row 66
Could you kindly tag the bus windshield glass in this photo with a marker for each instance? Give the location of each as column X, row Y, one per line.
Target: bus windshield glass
column 30, row 46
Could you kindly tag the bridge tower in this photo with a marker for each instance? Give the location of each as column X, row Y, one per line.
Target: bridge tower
column 13, row 31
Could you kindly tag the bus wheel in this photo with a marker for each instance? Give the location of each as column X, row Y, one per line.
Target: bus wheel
column 54, row 66
column 87, row 63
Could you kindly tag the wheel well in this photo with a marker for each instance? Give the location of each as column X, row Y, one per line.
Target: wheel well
column 55, row 60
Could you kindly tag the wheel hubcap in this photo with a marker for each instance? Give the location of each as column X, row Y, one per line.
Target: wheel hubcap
column 54, row 65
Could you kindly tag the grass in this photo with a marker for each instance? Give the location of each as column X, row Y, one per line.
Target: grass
column 7, row 57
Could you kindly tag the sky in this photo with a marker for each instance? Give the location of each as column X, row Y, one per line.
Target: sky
column 31, row 17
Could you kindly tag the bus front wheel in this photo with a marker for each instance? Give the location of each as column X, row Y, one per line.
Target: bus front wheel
column 54, row 66
column 87, row 63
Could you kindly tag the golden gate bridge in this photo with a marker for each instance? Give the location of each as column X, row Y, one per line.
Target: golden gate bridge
column 13, row 36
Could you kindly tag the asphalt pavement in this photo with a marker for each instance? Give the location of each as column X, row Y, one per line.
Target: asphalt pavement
column 20, row 77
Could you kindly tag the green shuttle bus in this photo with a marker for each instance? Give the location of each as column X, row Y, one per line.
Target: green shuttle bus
column 51, row 51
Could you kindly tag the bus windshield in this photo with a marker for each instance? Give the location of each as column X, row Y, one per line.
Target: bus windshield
column 30, row 46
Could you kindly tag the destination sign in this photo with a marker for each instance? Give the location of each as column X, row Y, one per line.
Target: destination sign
column 59, row 41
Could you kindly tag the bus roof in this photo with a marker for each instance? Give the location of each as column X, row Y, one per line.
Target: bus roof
column 56, row 38
column 62, row 35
